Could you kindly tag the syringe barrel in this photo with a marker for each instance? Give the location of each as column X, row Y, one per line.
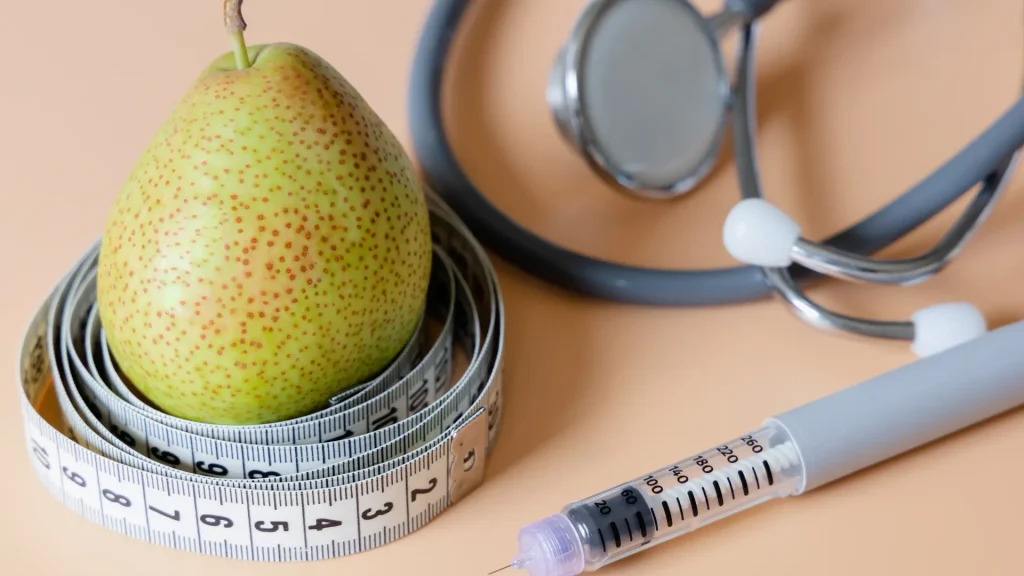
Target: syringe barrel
column 792, row 453
column 666, row 503
column 907, row 407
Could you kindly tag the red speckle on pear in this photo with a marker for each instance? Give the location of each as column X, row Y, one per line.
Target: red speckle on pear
column 276, row 270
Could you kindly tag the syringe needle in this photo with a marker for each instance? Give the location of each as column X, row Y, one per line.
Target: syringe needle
column 499, row 570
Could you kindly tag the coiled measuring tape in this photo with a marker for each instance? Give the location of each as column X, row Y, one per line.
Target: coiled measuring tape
column 375, row 464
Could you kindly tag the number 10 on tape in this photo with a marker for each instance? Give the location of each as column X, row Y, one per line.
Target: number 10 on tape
column 168, row 482
column 261, row 525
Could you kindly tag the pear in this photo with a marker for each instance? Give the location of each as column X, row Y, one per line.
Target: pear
column 271, row 247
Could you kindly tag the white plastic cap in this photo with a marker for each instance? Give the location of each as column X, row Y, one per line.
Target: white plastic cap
column 758, row 233
column 943, row 326
column 549, row 547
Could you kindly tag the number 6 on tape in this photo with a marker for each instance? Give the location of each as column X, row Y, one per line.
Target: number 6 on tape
column 373, row 465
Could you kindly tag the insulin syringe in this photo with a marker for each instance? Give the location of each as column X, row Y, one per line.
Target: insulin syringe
column 788, row 455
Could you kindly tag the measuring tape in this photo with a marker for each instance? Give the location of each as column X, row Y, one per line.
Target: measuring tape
column 375, row 464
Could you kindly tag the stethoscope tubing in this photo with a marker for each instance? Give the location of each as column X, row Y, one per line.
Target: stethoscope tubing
column 846, row 265
column 985, row 158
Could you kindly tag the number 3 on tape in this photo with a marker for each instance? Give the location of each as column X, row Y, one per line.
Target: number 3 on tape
column 372, row 466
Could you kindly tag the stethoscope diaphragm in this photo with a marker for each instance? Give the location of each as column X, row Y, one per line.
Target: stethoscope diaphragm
column 641, row 90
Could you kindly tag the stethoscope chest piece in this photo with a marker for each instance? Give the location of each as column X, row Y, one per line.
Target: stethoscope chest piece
column 641, row 90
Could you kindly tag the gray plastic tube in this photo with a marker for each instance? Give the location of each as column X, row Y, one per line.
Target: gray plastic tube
column 908, row 407
column 800, row 450
column 981, row 159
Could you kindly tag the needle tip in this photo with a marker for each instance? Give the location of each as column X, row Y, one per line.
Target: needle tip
column 499, row 570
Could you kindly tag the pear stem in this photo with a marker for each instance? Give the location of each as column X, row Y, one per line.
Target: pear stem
column 235, row 25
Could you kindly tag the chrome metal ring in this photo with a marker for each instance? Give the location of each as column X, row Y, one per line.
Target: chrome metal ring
column 574, row 111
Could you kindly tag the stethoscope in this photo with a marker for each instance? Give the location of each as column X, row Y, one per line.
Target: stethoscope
column 660, row 143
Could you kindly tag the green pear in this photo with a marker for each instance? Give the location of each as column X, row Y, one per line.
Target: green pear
column 271, row 247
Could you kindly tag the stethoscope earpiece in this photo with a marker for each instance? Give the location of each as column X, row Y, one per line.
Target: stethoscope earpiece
column 940, row 327
column 641, row 92
column 760, row 234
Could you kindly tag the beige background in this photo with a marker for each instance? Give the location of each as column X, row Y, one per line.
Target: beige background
column 859, row 99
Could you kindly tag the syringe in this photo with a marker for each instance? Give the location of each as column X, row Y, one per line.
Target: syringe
column 790, row 454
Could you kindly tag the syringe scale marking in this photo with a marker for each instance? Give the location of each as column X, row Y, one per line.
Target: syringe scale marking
column 631, row 517
column 715, row 476
column 797, row 451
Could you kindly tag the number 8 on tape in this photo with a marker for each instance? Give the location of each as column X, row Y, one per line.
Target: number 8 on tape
column 374, row 465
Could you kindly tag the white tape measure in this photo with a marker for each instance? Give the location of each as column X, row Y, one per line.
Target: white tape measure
column 380, row 461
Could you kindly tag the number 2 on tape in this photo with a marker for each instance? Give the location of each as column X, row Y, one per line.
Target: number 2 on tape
column 371, row 467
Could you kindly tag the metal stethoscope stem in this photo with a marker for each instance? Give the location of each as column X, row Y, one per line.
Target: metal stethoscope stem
column 660, row 142
column 831, row 261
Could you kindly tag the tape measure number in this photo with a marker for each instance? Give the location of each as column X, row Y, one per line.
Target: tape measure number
column 376, row 463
